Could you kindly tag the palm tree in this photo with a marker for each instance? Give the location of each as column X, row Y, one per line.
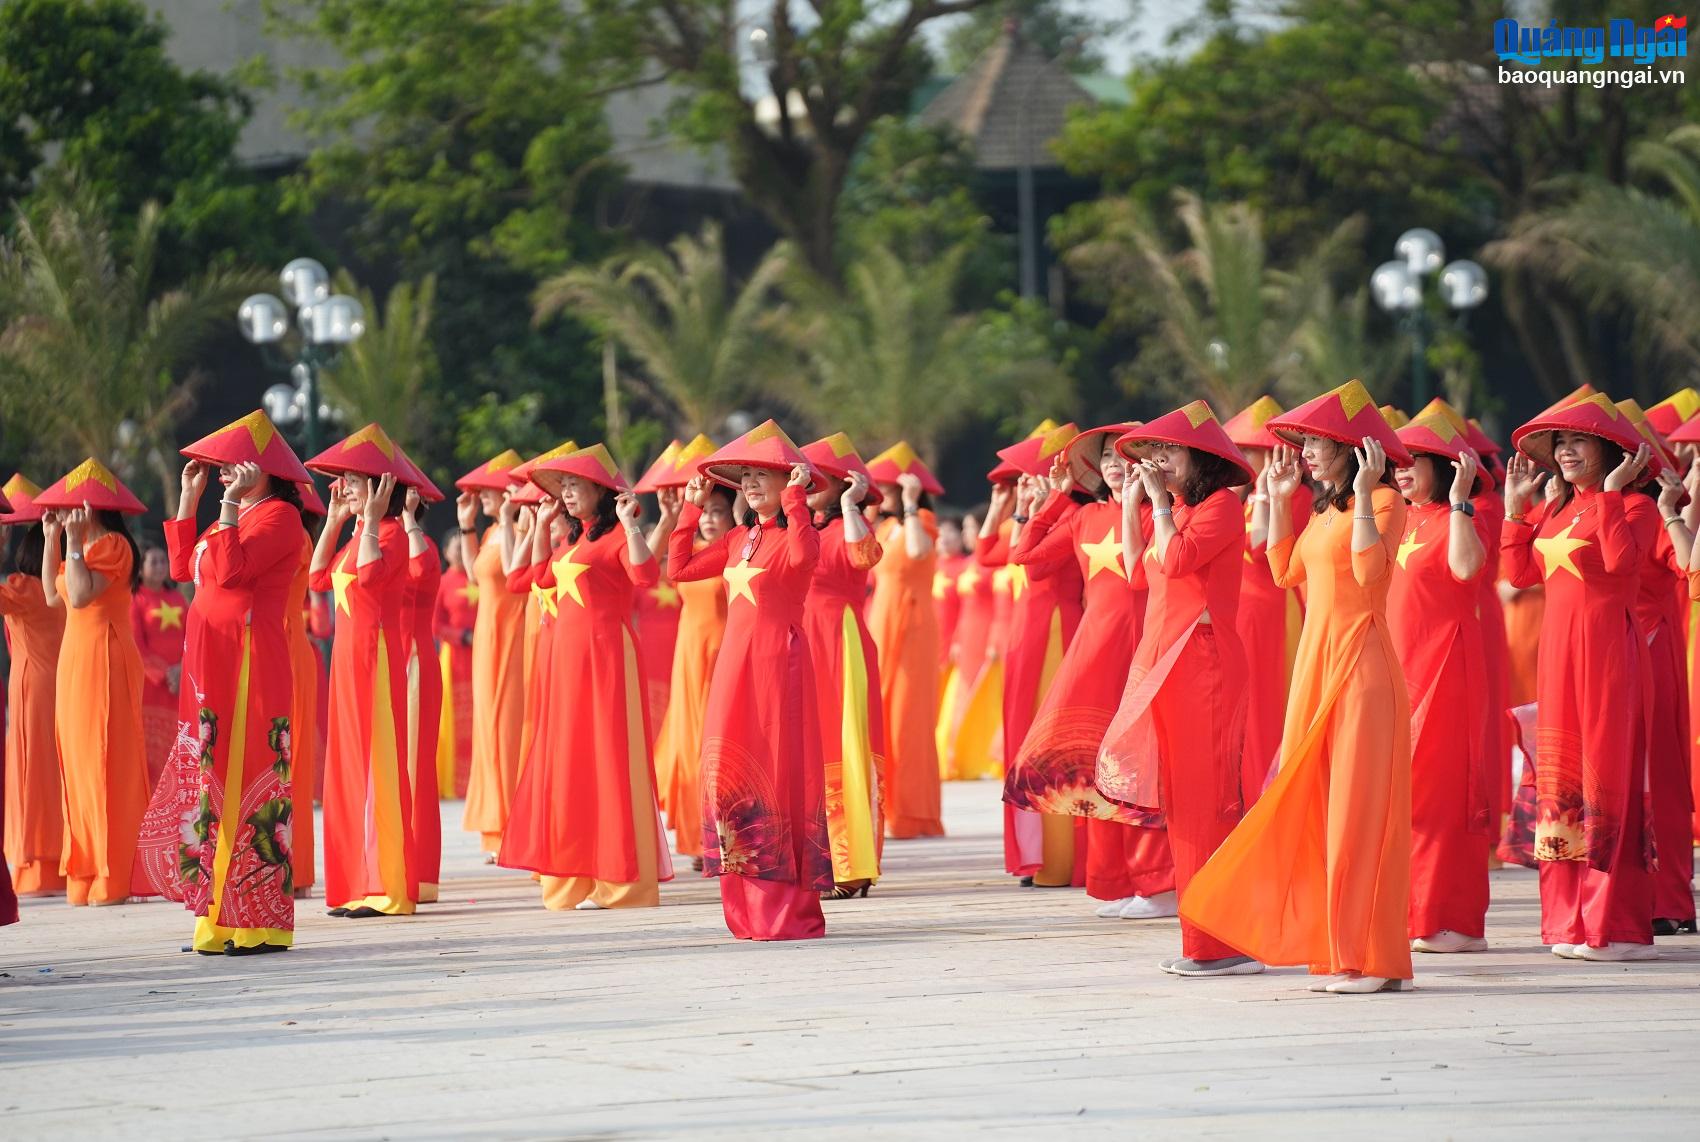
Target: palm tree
column 91, row 359
column 891, row 358
column 388, row 375
column 696, row 340
column 1626, row 252
column 1230, row 326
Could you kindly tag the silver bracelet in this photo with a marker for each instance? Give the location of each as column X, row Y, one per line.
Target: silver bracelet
column 233, row 503
column 1162, row 511
column 1370, row 518
column 77, row 555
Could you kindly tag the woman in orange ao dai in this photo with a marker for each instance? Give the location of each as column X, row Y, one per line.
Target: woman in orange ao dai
column 35, row 803
column 1318, row 872
column 585, row 815
column 763, row 779
column 98, row 720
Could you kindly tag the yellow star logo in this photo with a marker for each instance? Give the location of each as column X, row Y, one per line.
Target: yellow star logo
column 1105, row 555
column 1151, row 552
column 968, row 580
column 340, row 581
column 739, row 576
column 1556, row 551
column 941, row 584
column 1408, row 548
column 567, row 573
column 545, row 600
column 666, row 596
column 469, row 592
column 168, row 617
column 1017, row 580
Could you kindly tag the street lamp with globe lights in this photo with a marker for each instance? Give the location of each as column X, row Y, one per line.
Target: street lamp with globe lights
column 325, row 323
column 1398, row 289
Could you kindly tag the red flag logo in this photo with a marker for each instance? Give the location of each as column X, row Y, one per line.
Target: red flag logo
column 1668, row 21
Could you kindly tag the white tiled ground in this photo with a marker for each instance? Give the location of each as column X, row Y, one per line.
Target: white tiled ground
column 948, row 1000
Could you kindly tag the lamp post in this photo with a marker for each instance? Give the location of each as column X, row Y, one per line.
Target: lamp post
column 325, row 322
column 1398, row 289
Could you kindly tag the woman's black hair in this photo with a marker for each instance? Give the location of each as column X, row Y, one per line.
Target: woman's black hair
column 752, row 519
column 286, row 491
column 148, row 549
column 114, row 522
column 1210, row 474
column 1442, row 471
column 1611, row 455
column 835, row 506
column 24, row 550
column 604, row 522
column 1341, row 498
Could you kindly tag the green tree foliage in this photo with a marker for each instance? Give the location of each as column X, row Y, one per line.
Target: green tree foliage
column 1071, row 35
column 892, row 357
column 389, row 375
column 694, row 335
column 1229, row 325
column 829, row 73
column 470, row 139
column 87, row 85
column 92, row 353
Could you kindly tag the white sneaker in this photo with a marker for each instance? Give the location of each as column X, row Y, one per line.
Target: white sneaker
column 1203, row 969
column 1446, row 940
column 1568, row 951
column 1325, row 982
column 587, row 905
column 1615, row 952
column 1150, row 907
column 1367, row 985
column 1112, row 909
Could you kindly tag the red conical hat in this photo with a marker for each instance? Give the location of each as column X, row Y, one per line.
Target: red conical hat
column 492, row 475
column 836, row 456
column 252, row 440
column 901, row 459
column 665, row 465
column 1191, row 426
column 1035, row 455
column 5, row 504
column 416, row 478
column 370, row 452
column 521, row 473
column 1437, row 430
column 310, row 498
column 1579, row 393
column 1346, row 414
column 1005, row 472
column 594, row 464
column 20, row 492
column 1662, row 455
column 1677, row 409
column 1395, row 417
column 1246, row 428
column 1688, row 432
column 764, row 446
column 1484, row 444
column 1594, row 414
column 1087, row 448
column 91, row 483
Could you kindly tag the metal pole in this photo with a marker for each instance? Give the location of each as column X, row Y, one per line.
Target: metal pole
column 1419, row 361
column 309, row 380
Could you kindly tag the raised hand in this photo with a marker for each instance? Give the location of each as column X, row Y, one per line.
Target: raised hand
column 696, row 492
column 855, row 491
column 1464, row 471
column 337, row 510
column 509, row 511
column 52, row 523
column 77, row 525
column 378, row 495
column 244, row 478
column 910, row 484
column 1671, row 492
column 627, row 509
column 800, row 477
column 1629, row 471
column 194, row 484
column 1372, row 464
column 1282, row 475
column 1062, row 475
column 671, row 500
column 1522, row 481
column 466, row 511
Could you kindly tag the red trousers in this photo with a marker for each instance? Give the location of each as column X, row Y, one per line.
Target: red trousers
column 770, row 909
column 1124, row 860
column 1197, row 723
column 1581, row 905
column 1449, row 870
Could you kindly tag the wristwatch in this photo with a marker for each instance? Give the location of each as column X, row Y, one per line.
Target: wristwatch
column 1467, row 508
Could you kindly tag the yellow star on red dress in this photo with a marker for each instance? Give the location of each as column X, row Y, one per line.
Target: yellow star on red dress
column 167, row 616
column 966, row 581
column 1017, row 580
column 1556, row 551
column 567, row 573
column 1105, row 555
column 469, row 592
column 739, row 576
column 545, row 600
column 665, row 595
column 340, row 581
column 1408, row 548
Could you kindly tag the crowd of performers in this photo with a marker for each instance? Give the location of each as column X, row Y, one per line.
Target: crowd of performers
column 1300, row 678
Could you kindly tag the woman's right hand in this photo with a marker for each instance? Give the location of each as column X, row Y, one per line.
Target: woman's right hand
column 509, row 511
column 194, row 485
column 466, row 511
column 696, row 492
column 52, row 523
column 1283, row 472
column 1522, row 481
column 378, row 495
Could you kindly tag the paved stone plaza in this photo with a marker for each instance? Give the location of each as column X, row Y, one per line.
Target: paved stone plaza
column 950, row 1000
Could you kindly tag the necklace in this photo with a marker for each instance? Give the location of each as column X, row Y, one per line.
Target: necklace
column 240, row 512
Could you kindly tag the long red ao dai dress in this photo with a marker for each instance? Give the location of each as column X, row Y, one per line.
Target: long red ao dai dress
column 1056, row 771
column 584, row 814
column 368, row 802
column 35, row 799
column 1270, row 617
column 156, row 614
column 763, row 778
column 1660, row 615
column 972, row 708
column 457, row 611
column 1591, row 828
column 1175, row 744
column 1437, row 632
column 218, row 835
column 1043, row 616
column 306, row 739
column 424, row 714
column 847, row 689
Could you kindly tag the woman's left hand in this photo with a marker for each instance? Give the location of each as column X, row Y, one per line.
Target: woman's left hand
column 245, row 476
column 627, row 509
column 1628, row 472
column 855, row 492
column 1372, row 465
column 910, row 484
column 77, row 525
column 799, row 476
column 1464, row 476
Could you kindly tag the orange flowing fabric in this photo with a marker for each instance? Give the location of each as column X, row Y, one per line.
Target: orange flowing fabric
column 1270, row 617
column 1660, row 617
column 1437, row 632
column 1318, row 872
column 218, row 833
column 424, row 714
column 971, row 713
column 306, row 679
column 678, row 748
column 847, row 694
column 457, row 612
column 906, row 630
column 35, row 807
column 369, row 857
column 498, row 696
column 763, row 781
column 156, row 617
column 656, row 610
column 584, row 815
column 98, row 726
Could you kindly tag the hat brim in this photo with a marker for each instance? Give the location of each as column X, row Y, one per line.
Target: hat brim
column 1295, row 436
column 1535, row 440
column 1140, row 437
column 721, row 473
